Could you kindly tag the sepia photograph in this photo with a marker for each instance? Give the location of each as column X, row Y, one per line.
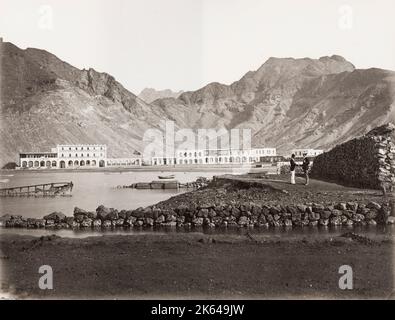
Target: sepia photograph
column 197, row 150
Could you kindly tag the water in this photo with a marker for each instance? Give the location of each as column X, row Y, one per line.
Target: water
column 94, row 188
column 90, row 190
column 311, row 233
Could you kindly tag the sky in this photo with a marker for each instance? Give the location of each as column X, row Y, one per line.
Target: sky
column 186, row 44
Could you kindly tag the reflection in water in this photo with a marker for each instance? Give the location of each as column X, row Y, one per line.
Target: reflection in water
column 298, row 232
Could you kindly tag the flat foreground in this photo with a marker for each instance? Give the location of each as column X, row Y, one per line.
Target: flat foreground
column 194, row 265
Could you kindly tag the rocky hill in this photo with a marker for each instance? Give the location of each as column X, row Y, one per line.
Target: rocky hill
column 286, row 102
column 150, row 95
column 294, row 102
column 46, row 101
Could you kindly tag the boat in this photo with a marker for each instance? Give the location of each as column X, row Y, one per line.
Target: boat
column 171, row 176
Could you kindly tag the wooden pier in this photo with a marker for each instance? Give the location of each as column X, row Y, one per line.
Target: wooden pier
column 37, row 190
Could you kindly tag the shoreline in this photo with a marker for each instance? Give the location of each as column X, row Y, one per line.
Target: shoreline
column 233, row 201
column 178, row 168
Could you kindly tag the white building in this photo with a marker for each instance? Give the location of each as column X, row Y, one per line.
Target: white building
column 38, row 160
column 82, row 155
column 217, row 156
column 123, row 162
column 70, row 156
column 309, row 152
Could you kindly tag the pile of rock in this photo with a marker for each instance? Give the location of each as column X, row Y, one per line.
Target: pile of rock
column 238, row 215
column 365, row 162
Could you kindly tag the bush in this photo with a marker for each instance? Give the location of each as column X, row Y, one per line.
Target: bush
column 10, row 166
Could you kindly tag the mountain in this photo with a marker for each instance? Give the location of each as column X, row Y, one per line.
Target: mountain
column 46, row 101
column 149, row 94
column 291, row 103
column 286, row 102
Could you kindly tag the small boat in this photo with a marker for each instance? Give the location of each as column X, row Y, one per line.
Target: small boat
column 171, row 176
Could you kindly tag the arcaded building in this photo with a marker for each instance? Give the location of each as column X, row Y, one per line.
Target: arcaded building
column 66, row 156
column 215, row 156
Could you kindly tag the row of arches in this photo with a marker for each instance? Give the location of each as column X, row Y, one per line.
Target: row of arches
column 206, row 160
column 62, row 164
column 39, row 164
column 80, row 163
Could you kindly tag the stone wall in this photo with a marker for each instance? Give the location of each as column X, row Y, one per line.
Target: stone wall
column 364, row 162
column 232, row 215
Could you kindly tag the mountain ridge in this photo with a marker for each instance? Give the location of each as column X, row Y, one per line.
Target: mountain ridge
column 149, row 95
column 286, row 102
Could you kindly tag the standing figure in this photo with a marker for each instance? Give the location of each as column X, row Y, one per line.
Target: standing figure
column 305, row 167
column 292, row 168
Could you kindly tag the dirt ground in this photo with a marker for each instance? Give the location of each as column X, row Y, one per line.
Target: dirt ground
column 273, row 191
column 194, row 265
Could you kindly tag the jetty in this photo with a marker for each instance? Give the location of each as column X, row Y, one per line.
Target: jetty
column 44, row 189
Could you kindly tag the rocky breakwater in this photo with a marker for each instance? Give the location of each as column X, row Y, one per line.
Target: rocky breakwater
column 233, row 215
column 364, row 162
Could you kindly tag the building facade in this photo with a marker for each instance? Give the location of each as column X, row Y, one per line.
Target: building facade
column 123, row 162
column 309, row 152
column 82, row 155
column 214, row 156
column 68, row 156
column 38, row 160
